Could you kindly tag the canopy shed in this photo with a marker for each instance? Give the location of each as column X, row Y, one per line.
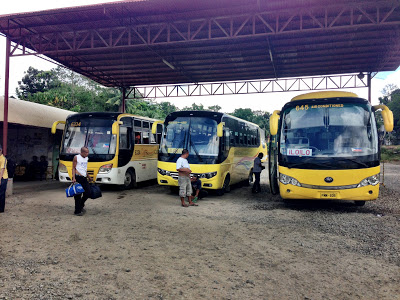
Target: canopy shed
column 131, row 43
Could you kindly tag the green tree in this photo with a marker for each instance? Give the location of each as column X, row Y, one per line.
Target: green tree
column 215, row 108
column 65, row 89
column 261, row 118
column 35, row 81
column 194, row 107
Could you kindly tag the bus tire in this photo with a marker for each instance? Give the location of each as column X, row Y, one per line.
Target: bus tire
column 359, row 203
column 130, row 179
column 249, row 179
column 226, row 187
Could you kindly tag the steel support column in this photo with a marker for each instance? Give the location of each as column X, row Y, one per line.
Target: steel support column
column 6, row 88
column 369, row 86
column 123, row 100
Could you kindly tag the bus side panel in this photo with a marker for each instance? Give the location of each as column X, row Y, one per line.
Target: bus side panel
column 243, row 161
column 340, row 178
column 145, row 161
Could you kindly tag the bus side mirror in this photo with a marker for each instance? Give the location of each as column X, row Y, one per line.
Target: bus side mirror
column 220, row 129
column 387, row 116
column 154, row 127
column 54, row 127
column 273, row 122
column 115, row 125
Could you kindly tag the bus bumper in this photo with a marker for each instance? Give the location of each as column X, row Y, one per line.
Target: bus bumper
column 116, row 176
column 365, row 193
column 211, row 184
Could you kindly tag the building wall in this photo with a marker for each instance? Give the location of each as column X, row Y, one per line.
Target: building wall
column 24, row 142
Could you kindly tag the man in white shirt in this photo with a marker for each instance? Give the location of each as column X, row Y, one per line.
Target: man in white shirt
column 80, row 175
column 185, row 186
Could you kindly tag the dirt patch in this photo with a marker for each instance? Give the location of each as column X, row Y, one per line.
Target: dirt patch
column 140, row 244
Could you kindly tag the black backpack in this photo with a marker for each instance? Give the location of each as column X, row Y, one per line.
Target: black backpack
column 11, row 165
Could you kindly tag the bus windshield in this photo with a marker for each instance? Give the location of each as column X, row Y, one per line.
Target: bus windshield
column 329, row 135
column 197, row 134
column 92, row 132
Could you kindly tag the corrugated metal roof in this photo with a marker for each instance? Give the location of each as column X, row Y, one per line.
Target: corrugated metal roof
column 151, row 42
column 32, row 114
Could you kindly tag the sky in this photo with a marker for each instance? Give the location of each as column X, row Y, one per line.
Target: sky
column 264, row 102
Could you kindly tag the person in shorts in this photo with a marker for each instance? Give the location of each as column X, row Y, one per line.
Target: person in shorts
column 198, row 191
column 185, row 185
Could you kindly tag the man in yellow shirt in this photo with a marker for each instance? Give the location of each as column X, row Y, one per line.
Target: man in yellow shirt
column 4, row 180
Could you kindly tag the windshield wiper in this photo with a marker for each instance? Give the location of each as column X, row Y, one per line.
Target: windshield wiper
column 195, row 149
column 180, row 145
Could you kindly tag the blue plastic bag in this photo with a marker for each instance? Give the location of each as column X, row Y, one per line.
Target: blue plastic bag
column 74, row 189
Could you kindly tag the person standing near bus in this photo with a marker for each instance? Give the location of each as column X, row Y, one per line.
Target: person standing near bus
column 4, row 180
column 80, row 175
column 257, row 168
column 185, row 185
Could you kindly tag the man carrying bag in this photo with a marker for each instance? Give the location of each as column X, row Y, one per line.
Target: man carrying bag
column 80, row 175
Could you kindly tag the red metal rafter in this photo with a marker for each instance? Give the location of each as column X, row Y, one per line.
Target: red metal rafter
column 224, row 27
column 345, row 81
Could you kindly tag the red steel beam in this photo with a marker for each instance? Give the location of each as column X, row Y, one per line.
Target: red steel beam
column 254, row 86
column 219, row 28
column 6, row 88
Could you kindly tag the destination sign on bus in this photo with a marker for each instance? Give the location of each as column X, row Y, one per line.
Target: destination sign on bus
column 307, row 107
column 299, row 152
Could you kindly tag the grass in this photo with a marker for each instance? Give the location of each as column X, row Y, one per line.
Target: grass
column 390, row 153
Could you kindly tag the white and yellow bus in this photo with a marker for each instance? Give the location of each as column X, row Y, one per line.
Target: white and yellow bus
column 122, row 148
column 221, row 148
column 324, row 145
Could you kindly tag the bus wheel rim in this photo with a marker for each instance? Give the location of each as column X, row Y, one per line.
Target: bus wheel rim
column 128, row 179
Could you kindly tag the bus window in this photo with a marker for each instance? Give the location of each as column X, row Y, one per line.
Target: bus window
column 138, row 137
column 138, row 123
column 146, row 137
column 146, row 124
column 124, row 138
column 159, row 133
column 232, row 138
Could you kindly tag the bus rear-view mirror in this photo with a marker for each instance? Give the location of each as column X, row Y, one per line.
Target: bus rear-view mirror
column 273, row 122
column 154, row 127
column 54, row 127
column 115, row 125
column 387, row 116
column 220, row 129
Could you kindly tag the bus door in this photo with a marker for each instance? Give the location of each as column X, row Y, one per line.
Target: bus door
column 273, row 165
column 125, row 141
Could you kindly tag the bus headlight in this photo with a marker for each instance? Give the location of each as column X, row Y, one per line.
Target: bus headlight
column 288, row 180
column 62, row 168
column 371, row 180
column 162, row 172
column 105, row 169
column 207, row 175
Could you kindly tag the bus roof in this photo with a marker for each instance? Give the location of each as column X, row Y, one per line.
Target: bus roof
column 112, row 115
column 208, row 114
column 325, row 94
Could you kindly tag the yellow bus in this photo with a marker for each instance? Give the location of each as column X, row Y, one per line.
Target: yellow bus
column 325, row 145
column 221, row 148
column 122, row 149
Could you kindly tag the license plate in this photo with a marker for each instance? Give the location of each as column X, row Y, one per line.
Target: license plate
column 328, row 195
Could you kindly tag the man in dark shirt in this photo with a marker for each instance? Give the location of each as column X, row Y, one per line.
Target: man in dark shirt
column 198, row 191
column 257, row 168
